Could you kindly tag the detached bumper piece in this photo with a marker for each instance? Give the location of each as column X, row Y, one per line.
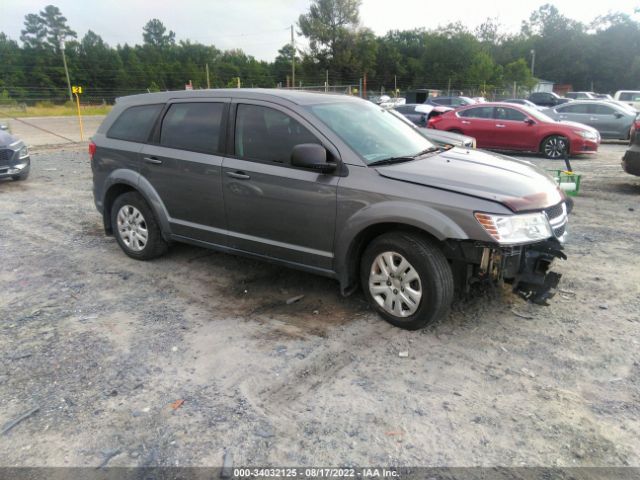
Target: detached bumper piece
column 533, row 280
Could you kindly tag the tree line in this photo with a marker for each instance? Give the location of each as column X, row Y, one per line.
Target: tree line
column 603, row 55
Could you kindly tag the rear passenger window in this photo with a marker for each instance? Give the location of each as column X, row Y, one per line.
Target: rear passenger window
column 477, row 112
column 578, row 108
column 135, row 123
column 193, row 126
column 269, row 135
column 601, row 110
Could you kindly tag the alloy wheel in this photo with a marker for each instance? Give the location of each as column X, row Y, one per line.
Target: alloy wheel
column 395, row 284
column 132, row 228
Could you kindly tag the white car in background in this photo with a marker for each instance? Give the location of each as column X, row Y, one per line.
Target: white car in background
column 630, row 97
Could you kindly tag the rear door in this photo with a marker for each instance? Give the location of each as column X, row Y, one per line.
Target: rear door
column 574, row 112
column 184, row 165
column 272, row 208
column 478, row 122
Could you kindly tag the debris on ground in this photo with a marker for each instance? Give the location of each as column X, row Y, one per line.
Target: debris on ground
column 522, row 315
column 227, row 465
column 108, row 455
column 403, row 354
column 295, row 299
column 9, row 425
column 177, row 404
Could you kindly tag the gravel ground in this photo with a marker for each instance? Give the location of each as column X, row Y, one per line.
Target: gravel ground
column 103, row 345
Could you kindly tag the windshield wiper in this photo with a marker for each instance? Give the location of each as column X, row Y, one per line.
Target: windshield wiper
column 404, row 158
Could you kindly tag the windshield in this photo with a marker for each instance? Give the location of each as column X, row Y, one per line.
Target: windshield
column 371, row 131
column 537, row 114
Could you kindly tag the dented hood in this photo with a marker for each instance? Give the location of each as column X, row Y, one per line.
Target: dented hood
column 517, row 184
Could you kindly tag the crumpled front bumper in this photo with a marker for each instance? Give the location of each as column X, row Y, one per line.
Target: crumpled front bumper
column 533, row 279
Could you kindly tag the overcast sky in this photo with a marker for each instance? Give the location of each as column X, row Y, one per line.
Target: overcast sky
column 261, row 27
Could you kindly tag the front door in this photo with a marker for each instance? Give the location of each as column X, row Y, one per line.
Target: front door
column 511, row 131
column 274, row 209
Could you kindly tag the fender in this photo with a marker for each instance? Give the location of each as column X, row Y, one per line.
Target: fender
column 405, row 213
column 144, row 188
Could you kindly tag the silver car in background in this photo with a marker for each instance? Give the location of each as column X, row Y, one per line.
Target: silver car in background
column 611, row 120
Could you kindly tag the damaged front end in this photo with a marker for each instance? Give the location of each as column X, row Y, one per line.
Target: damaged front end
column 527, row 267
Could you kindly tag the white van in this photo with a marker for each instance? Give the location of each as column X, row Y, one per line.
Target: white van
column 630, row 97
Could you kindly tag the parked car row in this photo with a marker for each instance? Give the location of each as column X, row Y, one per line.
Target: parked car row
column 506, row 126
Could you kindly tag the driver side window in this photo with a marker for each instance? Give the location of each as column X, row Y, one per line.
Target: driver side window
column 268, row 135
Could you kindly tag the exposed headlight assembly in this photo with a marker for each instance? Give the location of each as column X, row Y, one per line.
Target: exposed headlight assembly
column 515, row 229
column 21, row 148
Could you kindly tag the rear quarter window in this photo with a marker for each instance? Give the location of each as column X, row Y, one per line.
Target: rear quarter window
column 135, row 123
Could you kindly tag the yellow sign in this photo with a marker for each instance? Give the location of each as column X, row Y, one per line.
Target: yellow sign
column 76, row 90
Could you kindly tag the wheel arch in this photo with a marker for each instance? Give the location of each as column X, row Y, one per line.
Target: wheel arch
column 355, row 237
column 553, row 134
column 122, row 181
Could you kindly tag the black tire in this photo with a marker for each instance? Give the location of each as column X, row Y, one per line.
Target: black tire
column 433, row 269
column 155, row 245
column 455, row 130
column 21, row 176
column 554, row 147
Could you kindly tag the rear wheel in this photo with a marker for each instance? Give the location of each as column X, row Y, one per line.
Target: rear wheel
column 455, row 130
column 555, row 147
column 136, row 228
column 407, row 279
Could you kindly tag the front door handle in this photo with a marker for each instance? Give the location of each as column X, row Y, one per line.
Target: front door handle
column 499, row 125
column 239, row 175
column 466, row 122
column 154, row 160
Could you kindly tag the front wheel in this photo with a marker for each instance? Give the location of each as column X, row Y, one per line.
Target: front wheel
column 407, row 279
column 21, row 176
column 555, row 147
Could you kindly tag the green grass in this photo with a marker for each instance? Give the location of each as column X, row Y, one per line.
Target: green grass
column 52, row 110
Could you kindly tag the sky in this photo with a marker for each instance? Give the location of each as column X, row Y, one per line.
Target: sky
column 261, row 27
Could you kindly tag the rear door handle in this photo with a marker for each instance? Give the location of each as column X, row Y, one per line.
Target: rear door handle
column 239, row 175
column 466, row 122
column 154, row 160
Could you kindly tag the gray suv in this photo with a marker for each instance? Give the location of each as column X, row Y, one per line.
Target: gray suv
column 329, row 184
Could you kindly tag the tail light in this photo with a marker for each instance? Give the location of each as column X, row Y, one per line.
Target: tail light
column 433, row 121
column 92, row 150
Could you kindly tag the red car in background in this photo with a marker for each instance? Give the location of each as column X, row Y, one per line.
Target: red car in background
column 506, row 126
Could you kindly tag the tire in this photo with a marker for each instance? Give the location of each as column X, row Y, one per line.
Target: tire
column 21, row 176
column 455, row 130
column 137, row 219
column 554, row 147
column 402, row 306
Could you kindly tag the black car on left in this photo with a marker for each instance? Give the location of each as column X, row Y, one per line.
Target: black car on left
column 15, row 162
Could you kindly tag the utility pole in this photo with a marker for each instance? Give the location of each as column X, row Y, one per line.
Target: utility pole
column 207, row 69
column 449, row 88
column 395, row 86
column 326, row 81
column 66, row 70
column 293, row 59
column 364, row 86
column 533, row 61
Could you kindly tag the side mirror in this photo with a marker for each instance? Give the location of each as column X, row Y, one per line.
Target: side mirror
column 3, row 127
column 529, row 121
column 618, row 115
column 312, row 156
